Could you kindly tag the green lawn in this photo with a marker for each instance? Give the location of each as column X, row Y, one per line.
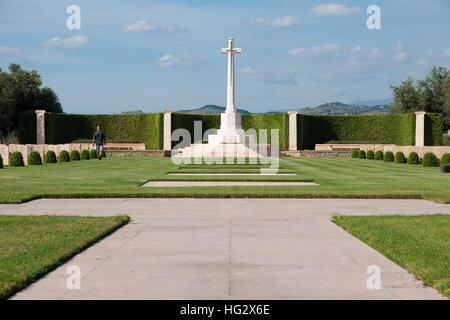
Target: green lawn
column 123, row 177
column 31, row 246
column 420, row 244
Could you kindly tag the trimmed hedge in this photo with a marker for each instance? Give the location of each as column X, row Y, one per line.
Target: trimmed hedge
column 1, row 162
column 413, row 158
column 126, row 128
column 429, row 160
column 34, row 159
column 379, row 155
column 266, row 121
column 434, row 124
column 399, row 157
column 388, row 156
column 445, row 158
column 64, row 156
column 84, row 155
column 74, row 155
column 361, row 154
column 355, row 153
column 50, row 157
column 93, row 154
column 16, row 159
column 396, row 129
column 370, row 155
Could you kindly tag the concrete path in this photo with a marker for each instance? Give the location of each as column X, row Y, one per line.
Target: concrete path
column 228, row 249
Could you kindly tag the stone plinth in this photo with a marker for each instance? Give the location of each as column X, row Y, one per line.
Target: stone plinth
column 167, row 142
column 293, row 130
column 40, row 126
column 420, row 128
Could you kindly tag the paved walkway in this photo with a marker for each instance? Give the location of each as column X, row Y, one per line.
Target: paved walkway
column 228, row 249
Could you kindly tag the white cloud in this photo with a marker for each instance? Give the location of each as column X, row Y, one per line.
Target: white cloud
column 4, row 49
column 71, row 42
column 286, row 21
column 315, row 50
column 400, row 56
column 332, row 9
column 169, row 60
column 250, row 71
column 139, row 26
column 447, row 52
column 356, row 49
column 422, row 61
column 145, row 26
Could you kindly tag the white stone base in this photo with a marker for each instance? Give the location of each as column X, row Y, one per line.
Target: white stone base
column 224, row 150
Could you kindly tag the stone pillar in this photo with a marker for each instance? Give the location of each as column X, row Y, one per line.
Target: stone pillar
column 40, row 126
column 293, row 130
column 420, row 128
column 167, row 144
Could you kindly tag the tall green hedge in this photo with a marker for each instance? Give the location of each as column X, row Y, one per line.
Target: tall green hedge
column 396, row 129
column 434, row 124
column 132, row 128
column 26, row 131
column 267, row 121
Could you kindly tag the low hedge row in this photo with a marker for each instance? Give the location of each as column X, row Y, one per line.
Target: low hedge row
column 34, row 158
column 429, row 159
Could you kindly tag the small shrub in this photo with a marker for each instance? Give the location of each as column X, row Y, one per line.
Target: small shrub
column 413, row 158
column 34, row 159
column 429, row 160
column 354, row 153
column 361, row 154
column 370, row 155
column 445, row 158
column 84, row 155
column 445, row 168
column 388, row 157
column 399, row 157
column 50, row 157
column 16, row 159
column 64, row 156
column 379, row 155
column 1, row 162
column 74, row 155
column 93, row 154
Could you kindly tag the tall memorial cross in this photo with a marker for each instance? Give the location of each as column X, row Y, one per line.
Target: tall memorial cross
column 231, row 51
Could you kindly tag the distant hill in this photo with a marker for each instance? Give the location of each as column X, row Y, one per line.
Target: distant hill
column 210, row 109
column 133, row 112
column 338, row 108
column 372, row 103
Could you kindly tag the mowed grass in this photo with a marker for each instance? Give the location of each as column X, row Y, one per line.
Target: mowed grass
column 31, row 246
column 420, row 244
column 123, row 177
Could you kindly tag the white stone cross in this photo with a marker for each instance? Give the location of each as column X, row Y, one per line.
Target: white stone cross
column 230, row 84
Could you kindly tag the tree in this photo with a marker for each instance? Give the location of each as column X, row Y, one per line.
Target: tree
column 431, row 94
column 20, row 91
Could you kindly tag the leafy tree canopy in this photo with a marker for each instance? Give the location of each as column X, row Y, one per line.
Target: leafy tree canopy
column 431, row 94
column 20, row 90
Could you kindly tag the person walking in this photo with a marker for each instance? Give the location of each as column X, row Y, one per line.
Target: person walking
column 99, row 139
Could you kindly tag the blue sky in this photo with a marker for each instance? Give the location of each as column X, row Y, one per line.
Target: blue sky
column 156, row 55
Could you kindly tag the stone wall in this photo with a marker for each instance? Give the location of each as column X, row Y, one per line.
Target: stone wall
column 316, row 154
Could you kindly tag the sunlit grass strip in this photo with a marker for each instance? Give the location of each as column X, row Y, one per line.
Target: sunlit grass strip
column 31, row 246
column 420, row 244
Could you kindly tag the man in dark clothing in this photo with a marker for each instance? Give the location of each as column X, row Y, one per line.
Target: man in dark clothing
column 99, row 139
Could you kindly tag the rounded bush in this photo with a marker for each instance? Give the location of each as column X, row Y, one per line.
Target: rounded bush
column 84, row 155
column 388, row 157
column 34, row 159
column 1, row 162
column 75, row 155
column 445, row 158
column 361, row 154
column 399, row 157
column 354, row 153
column 93, row 154
column 16, row 159
column 370, row 155
column 64, row 156
column 429, row 160
column 50, row 157
column 379, row 155
column 413, row 158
